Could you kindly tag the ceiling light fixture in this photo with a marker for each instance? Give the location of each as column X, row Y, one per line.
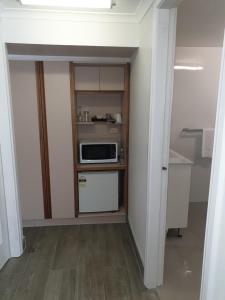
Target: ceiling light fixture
column 70, row 3
column 189, row 68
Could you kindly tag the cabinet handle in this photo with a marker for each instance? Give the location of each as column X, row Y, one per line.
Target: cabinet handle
column 164, row 168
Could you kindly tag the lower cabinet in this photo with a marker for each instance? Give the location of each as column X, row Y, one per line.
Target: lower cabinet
column 179, row 182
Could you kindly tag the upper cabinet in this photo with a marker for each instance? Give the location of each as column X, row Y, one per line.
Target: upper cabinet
column 87, row 78
column 111, row 78
column 99, row 78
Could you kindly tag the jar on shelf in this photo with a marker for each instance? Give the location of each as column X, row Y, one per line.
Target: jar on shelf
column 86, row 116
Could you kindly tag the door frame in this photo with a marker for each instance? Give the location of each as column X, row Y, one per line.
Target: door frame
column 4, row 234
column 9, row 167
column 212, row 285
column 163, row 54
column 164, row 42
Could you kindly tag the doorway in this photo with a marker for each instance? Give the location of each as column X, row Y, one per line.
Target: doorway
column 49, row 248
column 195, row 94
column 163, row 162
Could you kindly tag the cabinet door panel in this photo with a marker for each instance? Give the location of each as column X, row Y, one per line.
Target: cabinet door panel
column 25, row 115
column 111, row 78
column 57, row 94
column 86, row 78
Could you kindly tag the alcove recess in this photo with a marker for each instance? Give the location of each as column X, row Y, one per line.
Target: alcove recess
column 101, row 89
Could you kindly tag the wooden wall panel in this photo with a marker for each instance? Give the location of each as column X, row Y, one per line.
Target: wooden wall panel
column 43, row 139
column 74, row 135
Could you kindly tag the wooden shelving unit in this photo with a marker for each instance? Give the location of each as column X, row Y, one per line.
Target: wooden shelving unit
column 123, row 128
column 94, row 92
column 101, row 167
column 99, row 123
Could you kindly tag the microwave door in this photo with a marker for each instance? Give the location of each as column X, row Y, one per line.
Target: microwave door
column 98, row 153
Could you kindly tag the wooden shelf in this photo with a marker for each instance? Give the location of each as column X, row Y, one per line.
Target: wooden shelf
column 91, row 92
column 120, row 212
column 99, row 123
column 101, row 167
column 80, row 85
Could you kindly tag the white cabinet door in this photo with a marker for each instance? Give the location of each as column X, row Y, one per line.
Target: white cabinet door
column 57, row 95
column 4, row 239
column 86, row 78
column 111, row 78
column 25, row 117
column 179, row 180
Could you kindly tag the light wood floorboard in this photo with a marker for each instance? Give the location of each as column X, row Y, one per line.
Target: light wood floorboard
column 82, row 262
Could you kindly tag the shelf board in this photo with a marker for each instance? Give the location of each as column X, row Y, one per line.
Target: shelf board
column 99, row 92
column 99, row 123
column 101, row 167
column 120, row 212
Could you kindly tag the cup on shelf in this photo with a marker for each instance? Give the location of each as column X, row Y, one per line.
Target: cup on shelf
column 118, row 118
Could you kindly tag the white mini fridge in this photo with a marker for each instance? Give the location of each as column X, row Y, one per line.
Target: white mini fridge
column 98, row 191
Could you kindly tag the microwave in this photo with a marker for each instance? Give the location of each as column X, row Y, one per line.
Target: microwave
column 98, row 152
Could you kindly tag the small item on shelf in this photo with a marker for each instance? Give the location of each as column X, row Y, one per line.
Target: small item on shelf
column 117, row 118
column 79, row 116
column 110, row 119
column 86, row 116
column 121, row 155
column 98, row 119
column 103, row 118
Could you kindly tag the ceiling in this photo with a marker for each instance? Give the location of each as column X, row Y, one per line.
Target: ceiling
column 201, row 23
column 122, row 6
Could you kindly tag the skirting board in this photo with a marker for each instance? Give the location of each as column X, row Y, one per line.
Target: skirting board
column 140, row 264
column 85, row 219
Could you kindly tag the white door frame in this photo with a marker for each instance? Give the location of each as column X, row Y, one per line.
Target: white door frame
column 4, row 234
column 8, row 156
column 212, row 286
column 159, row 137
column 163, row 53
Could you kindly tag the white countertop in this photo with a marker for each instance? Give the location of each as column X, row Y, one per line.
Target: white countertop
column 176, row 158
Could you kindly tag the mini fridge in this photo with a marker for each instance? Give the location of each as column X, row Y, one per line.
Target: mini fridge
column 98, row 191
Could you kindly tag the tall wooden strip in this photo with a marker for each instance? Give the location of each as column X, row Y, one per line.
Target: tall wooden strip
column 74, row 135
column 126, row 106
column 43, row 139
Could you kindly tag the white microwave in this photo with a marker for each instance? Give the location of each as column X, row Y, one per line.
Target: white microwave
column 98, row 152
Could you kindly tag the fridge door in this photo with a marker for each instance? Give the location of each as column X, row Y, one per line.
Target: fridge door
column 98, row 191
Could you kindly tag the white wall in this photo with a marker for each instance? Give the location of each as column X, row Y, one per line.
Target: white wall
column 24, row 100
column 194, row 106
column 65, row 29
column 139, row 125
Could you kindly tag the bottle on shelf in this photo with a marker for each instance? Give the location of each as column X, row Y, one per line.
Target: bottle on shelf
column 79, row 116
column 86, row 116
column 121, row 155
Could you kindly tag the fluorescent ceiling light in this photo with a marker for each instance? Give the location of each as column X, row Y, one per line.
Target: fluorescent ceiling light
column 70, row 3
column 189, row 68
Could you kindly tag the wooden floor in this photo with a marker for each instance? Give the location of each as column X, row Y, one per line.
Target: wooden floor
column 86, row 262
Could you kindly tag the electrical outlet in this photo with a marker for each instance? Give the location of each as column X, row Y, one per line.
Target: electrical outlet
column 113, row 130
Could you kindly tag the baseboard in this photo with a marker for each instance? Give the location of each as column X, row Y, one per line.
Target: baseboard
column 136, row 252
column 76, row 221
